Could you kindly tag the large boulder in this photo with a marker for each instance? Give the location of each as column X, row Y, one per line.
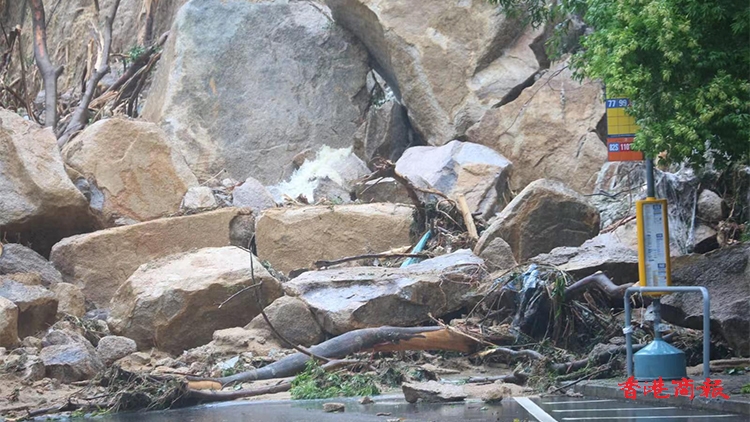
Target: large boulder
column 447, row 62
column 292, row 319
column 549, row 131
column 174, row 303
column 15, row 258
column 545, row 215
column 476, row 171
column 129, row 168
column 602, row 253
column 37, row 306
column 40, row 205
column 726, row 275
column 278, row 77
column 8, row 323
column 71, row 362
column 294, row 238
column 347, row 299
column 100, row 262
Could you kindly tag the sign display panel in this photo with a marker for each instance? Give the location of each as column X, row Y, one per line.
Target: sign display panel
column 653, row 243
column 621, row 129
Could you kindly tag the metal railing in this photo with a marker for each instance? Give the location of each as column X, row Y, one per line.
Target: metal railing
column 671, row 289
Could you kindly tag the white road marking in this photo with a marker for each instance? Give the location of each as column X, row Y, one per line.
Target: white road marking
column 599, row 418
column 625, row 409
column 577, row 401
column 535, row 410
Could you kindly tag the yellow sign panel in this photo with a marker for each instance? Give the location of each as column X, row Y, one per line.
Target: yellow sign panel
column 619, row 122
column 621, row 129
column 654, row 264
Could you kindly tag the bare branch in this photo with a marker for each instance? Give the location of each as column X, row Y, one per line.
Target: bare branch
column 43, row 62
column 80, row 115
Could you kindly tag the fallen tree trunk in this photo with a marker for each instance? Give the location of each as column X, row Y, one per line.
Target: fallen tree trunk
column 382, row 339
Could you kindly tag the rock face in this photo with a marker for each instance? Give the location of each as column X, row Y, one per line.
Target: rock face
column 545, row 215
column 8, row 323
column 112, row 348
column 71, row 362
column 602, row 253
column 386, row 133
column 71, row 300
column 726, row 275
column 347, row 299
column 20, row 259
column 39, row 202
column 293, row 319
column 293, row 238
column 446, row 61
column 276, row 79
column 37, row 306
column 132, row 166
column 173, row 303
column 549, row 131
column 498, row 255
column 100, row 262
column 385, row 190
column 476, row 171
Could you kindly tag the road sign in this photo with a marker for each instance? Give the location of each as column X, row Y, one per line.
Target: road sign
column 621, row 129
column 654, row 264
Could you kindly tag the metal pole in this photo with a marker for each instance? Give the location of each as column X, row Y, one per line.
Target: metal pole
column 650, row 186
column 677, row 289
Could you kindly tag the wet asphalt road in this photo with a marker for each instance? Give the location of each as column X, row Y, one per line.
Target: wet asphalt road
column 560, row 409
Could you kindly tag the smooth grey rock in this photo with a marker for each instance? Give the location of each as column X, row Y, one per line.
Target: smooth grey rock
column 276, row 78
column 37, row 306
column 112, row 348
column 601, row 253
column 710, row 207
column 498, row 255
column 347, row 299
column 16, row 258
column 70, row 362
column 476, row 171
column 252, row 194
column 432, row 392
column 293, row 319
column 726, row 275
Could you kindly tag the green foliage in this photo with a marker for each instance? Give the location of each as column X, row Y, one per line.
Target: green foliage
column 683, row 64
column 745, row 389
column 136, row 52
column 316, row 383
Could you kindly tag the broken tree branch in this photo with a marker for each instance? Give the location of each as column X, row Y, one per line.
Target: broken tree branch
column 385, row 339
column 80, row 115
column 43, row 62
column 599, row 280
column 324, row 263
column 468, row 218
